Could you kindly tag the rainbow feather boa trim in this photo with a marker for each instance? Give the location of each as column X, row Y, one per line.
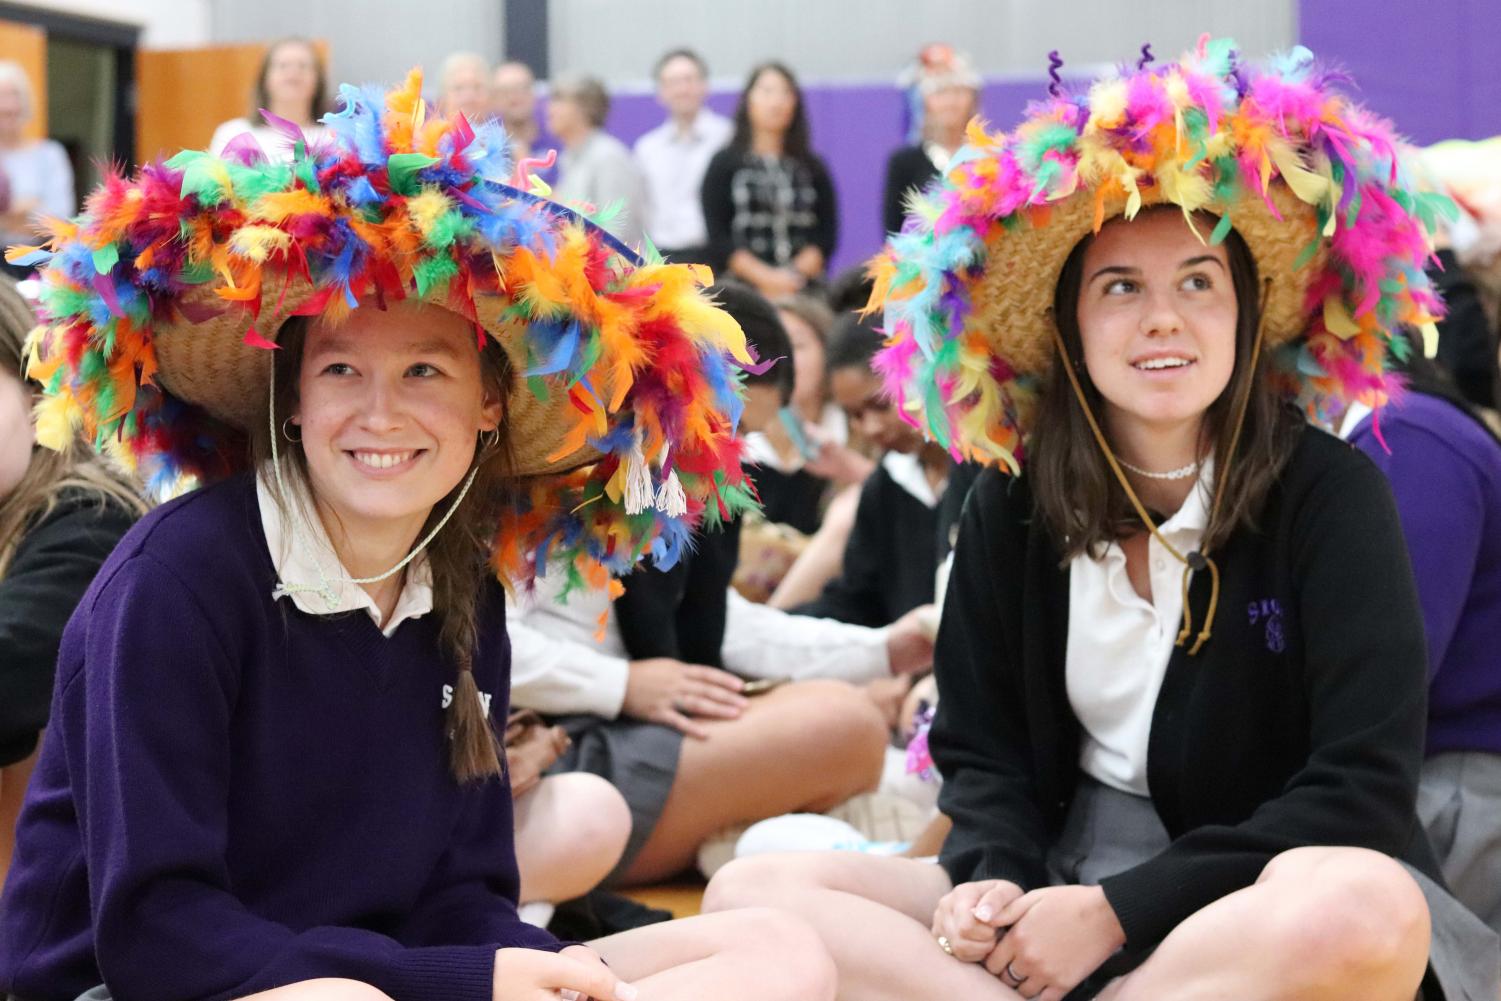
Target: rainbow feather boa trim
column 398, row 201
column 1206, row 132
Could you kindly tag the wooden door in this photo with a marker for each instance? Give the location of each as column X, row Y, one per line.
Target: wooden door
column 27, row 44
column 185, row 94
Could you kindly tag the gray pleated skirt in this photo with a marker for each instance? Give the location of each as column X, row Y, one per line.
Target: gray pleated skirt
column 1108, row 831
column 639, row 759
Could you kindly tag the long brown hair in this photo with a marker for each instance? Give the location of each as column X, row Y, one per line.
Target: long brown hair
column 457, row 554
column 49, row 474
column 262, row 97
column 1078, row 496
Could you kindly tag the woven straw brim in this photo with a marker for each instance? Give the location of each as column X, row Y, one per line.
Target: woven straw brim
column 1013, row 301
column 209, row 364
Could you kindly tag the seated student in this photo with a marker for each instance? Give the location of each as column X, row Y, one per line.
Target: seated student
column 631, row 695
column 892, row 551
column 1444, row 465
column 60, row 515
column 795, row 478
column 271, row 770
column 1182, row 660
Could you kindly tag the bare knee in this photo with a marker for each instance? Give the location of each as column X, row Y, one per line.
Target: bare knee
column 599, row 819
column 1348, row 912
column 794, row 963
column 326, row 989
column 766, row 880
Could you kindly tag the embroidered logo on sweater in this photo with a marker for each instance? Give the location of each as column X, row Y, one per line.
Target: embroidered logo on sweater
column 1268, row 611
column 484, row 698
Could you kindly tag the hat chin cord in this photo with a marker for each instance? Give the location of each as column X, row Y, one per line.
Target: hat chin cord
column 1198, row 559
column 324, row 589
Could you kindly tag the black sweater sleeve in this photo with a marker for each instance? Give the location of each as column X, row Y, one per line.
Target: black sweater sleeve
column 826, row 233
column 1365, row 692
column 718, row 199
column 855, row 595
column 980, row 736
column 680, row 612
column 52, row 568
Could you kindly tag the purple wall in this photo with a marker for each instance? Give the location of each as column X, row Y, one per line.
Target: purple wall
column 1433, row 68
column 854, row 130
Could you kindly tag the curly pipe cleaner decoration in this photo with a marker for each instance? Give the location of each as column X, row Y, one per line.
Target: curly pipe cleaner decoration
column 1146, row 57
column 1055, row 62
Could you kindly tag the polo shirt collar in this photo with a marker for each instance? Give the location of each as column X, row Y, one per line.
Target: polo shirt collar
column 309, row 572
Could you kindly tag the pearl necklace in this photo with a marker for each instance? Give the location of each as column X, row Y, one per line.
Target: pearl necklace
column 1181, row 473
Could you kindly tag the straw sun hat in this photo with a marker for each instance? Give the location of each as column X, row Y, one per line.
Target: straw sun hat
column 164, row 298
column 1310, row 181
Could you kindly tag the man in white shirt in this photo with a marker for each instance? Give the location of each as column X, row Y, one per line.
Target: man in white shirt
column 674, row 156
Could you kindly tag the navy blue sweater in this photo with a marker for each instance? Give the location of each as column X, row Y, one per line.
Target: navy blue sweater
column 234, row 795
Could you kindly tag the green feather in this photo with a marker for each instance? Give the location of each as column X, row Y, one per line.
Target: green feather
column 105, row 259
column 450, row 226
column 1221, row 230
column 434, row 272
column 401, row 171
column 593, row 346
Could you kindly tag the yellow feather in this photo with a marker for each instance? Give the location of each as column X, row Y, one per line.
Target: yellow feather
column 256, row 243
column 1107, row 103
column 58, row 419
column 1337, row 318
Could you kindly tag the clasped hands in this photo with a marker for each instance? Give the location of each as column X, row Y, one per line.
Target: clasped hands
column 1042, row 944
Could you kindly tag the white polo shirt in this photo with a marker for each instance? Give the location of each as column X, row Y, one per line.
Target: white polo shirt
column 1119, row 643
column 674, row 163
column 310, row 573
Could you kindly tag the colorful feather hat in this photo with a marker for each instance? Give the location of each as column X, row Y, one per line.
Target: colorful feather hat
column 163, row 300
column 1309, row 180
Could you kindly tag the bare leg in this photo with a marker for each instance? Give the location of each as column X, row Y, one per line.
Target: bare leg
column 823, row 557
column 570, row 831
column 321, row 990
column 804, row 747
column 1320, row 923
column 748, row 955
column 874, row 916
column 930, row 840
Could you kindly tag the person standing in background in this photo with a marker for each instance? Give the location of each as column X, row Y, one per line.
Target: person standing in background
column 674, row 156
column 595, row 167
column 514, row 93
column 464, row 84
column 35, row 172
column 292, row 84
column 948, row 89
column 768, row 198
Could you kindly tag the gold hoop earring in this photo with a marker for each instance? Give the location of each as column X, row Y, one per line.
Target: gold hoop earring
column 285, row 433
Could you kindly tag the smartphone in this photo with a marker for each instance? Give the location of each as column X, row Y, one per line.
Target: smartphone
column 794, row 428
column 760, row 686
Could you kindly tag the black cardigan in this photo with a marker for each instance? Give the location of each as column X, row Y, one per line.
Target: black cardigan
column 889, row 561
column 1299, row 723
column 52, row 567
column 908, row 168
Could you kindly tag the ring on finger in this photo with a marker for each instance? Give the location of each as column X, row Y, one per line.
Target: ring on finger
column 945, row 945
column 1012, row 977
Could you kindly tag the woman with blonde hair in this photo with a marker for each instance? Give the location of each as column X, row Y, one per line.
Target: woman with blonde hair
column 60, row 515
column 36, row 177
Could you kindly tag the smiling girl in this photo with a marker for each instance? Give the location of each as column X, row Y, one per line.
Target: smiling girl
column 1181, row 660
column 273, row 768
